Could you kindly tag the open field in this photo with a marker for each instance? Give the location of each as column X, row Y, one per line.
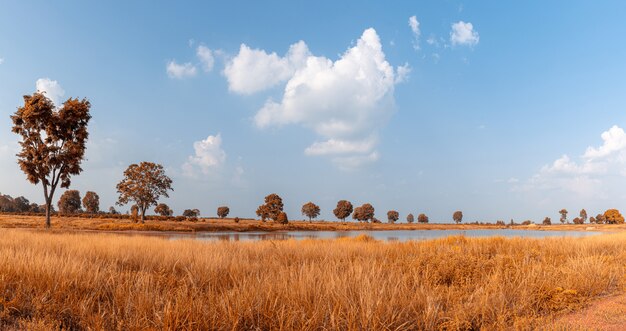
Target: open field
column 106, row 224
column 113, row 282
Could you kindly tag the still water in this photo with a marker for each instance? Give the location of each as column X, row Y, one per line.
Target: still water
column 400, row 235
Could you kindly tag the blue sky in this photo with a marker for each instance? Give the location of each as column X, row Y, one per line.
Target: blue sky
column 503, row 110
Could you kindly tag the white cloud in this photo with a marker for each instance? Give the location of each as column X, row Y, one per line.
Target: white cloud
column 614, row 141
column 254, row 70
column 206, row 58
column 208, row 154
column 335, row 146
column 1, row 60
column 344, row 101
column 180, row 71
column 597, row 168
column 51, row 88
column 415, row 27
column 463, row 34
column 349, row 163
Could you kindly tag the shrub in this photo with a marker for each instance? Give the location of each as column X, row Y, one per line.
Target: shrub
column 600, row 219
column 527, row 222
column 422, row 218
column 282, row 218
column 410, row 218
column 578, row 220
column 163, row 210
column 547, row 221
column 236, row 219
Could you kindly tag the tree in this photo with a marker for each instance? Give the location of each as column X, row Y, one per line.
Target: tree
column 583, row 215
column 163, row 210
column 457, row 216
column 310, row 210
column 547, row 221
column 578, row 220
column 563, row 213
column 422, row 218
column 53, row 142
column 112, row 211
column 410, row 218
column 600, row 219
column 143, row 184
column 281, row 218
column 343, row 210
column 363, row 213
column 69, row 203
column 613, row 216
column 272, row 208
column 223, row 211
column 191, row 213
column 592, row 219
column 392, row 216
column 91, row 202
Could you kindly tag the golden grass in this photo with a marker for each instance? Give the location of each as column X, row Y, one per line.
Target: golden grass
column 215, row 225
column 113, row 282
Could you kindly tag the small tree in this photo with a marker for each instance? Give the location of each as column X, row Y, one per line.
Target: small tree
column 600, row 219
column 422, row 218
column 53, row 142
column 547, row 221
column 223, row 211
column 112, row 211
column 282, row 218
column 592, row 219
column 191, row 213
column 310, row 210
column 363, row 213
column 91, row 202
column 69, row 203
column 343, row 210
column 392, row 216
column 271, row 208
column 563, row 213
column 613, row 216
column 457, row 216
column 143, row 184
column 410, row 218
column 583, row 215
column 163, row 210
column 577, row 220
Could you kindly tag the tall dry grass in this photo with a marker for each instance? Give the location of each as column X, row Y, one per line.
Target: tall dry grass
column 111, row 282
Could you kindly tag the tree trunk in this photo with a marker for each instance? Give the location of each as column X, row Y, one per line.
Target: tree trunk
column 143, row 215
column 48, row 206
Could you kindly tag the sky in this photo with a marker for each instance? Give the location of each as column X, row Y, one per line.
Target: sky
column 504, row 110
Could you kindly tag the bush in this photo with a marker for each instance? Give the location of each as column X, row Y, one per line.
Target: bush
column 527, row 222
column 578, row 220
column 547, row 221
column 613, row 216
column 282, row 218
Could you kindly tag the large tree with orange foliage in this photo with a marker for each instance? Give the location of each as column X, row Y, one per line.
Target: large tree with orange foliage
column 613, row 216
column 53, row 142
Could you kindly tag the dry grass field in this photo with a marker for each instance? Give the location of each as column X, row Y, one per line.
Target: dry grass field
column 215, row 225
column 111, row 282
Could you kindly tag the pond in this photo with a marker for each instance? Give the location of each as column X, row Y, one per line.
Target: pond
column 399, row 235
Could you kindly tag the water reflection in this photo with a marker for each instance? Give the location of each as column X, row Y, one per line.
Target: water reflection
column 400, row 235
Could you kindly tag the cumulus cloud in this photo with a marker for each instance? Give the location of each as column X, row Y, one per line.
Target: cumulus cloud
column 590, row 173
column 51, row 88
column 463, row 34
column 180, row 71
column 208, row 155
column 205, row 55
column 344, row 101
column 254, row 70
column 614, row 142
column 415, row 27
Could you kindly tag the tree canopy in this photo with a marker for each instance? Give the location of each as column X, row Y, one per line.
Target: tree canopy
column 143, row 184
column 53, row 141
